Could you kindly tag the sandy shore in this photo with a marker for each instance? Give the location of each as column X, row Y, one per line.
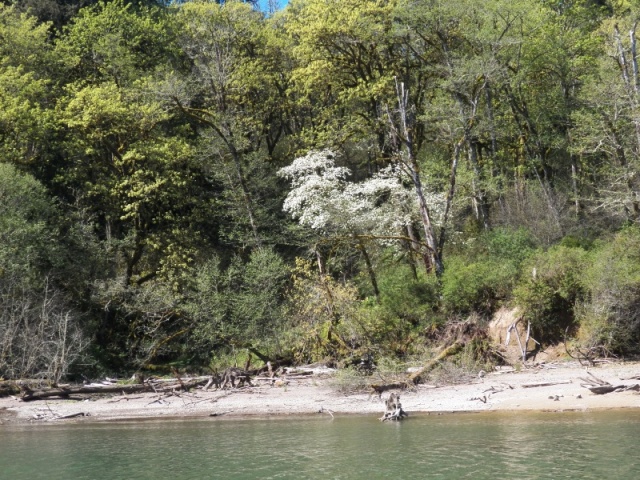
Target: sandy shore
column 550, row 387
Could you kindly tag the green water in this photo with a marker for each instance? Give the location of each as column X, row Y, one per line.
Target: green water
column 478, row 446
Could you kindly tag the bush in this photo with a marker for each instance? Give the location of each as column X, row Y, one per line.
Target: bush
column 242, row 304
column 40, row 334
column 610, row 316
column 481, row 277
column 550, row 285
column 475, row 286
column 409, row 299
column 323, row 321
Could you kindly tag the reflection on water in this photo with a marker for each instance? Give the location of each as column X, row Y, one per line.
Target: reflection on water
column 478, row 446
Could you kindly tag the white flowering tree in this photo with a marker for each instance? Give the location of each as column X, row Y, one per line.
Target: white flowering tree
column 379, row 208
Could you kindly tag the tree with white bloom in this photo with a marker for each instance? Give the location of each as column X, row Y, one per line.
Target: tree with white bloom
column 380, row 207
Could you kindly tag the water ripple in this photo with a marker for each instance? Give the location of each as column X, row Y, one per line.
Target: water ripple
column 478, row 446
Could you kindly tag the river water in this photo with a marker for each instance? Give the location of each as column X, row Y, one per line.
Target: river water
column 455, row 446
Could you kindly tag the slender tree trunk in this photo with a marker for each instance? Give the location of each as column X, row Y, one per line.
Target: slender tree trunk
column 480, row 195
column 370, row 271
column 409, row 160
column 321, row 265
column 574, row 185
column 417, row 248
column 246, row 195
column 450, row 194
column 492, row 123
column 634, row 58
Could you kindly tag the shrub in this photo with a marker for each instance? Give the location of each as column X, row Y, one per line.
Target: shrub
column 549, row 287
column 610, row 316
column 40, row 334
column 474, row 286
column 241, row 304
column 478, row 279
column 401, row 295
column 322, row 316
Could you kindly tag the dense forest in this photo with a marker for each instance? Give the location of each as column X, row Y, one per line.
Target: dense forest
column 187, row 183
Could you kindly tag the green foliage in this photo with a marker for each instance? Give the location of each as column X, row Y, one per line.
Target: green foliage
column 610, row 315
column 406, row 305
column 24, row 42
column 551, row 283
column 26, row 63
column 113, row 41
column 239, row 305
column 483, row 276
column 28, row 240
column 513, row 246
column 475, row 286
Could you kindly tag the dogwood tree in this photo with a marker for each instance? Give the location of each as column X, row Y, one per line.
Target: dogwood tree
column 379, row 208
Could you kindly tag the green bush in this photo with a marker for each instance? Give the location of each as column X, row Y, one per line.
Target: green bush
column 475, row 286
column 411, row 300
column 241, row 304
column 550, row 285
column 480, row 278
column 610, row 316
column 513, row 246
column 406, row 306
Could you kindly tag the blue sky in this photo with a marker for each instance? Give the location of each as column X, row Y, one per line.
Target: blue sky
column 265, row 3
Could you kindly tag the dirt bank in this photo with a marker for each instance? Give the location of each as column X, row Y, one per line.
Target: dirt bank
column 554, row 387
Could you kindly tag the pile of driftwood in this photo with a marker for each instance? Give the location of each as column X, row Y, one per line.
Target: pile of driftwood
column 232, row 377
column 110, row 387
column 601, row 387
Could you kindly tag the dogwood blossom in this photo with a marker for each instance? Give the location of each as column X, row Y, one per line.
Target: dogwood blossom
column 324, row 199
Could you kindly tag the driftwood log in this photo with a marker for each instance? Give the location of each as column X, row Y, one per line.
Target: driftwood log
column 452, row 349
column 64, row 392
column 543, row 384
column 601, row 387
column 416, row 377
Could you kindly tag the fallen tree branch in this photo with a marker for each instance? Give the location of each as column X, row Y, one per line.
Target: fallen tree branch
column 546, row 384
column 416, row 377
column 73, row 415
column 601, row 387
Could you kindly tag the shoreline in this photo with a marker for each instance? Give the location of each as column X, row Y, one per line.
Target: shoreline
column 553, row 387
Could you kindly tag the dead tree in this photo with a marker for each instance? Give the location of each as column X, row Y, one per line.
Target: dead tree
column 394, row 409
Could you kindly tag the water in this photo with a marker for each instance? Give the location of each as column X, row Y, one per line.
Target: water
column 478, row 446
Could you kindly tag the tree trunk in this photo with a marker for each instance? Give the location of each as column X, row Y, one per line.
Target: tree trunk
column 410, row 163
column 480, row 196
column 370, row 271
column 450, row 194
column 248, row 202
column 416, row 377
